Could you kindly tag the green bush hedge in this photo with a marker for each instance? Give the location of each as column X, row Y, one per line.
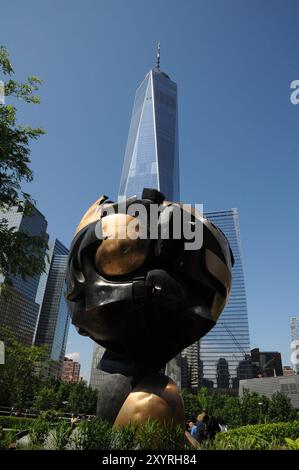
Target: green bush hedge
column 13, row 422
column 258, row 437
column 99, row 435
column 148, row 436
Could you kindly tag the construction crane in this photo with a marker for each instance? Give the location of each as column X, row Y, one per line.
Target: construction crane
column 234, row 339
column 264, row 367
column 238, row 346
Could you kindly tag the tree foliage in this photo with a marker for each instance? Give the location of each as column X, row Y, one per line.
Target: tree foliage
column 69, row 397
column 24, row 382
column 280, row 408
column 252, row 408
column 192, row 405
column 21, row 253
column 22, row 373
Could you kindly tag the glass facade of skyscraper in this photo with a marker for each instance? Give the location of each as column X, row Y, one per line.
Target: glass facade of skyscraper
column 96, row 375
column 20, row 310
column 224, row 353
column 53, row 322
column 152, row 157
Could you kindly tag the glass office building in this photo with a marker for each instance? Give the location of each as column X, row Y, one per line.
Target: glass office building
column 152, row 156
column 224, row 353
column 96, row 375
column 151, row 161
column 53, row 321
column 20, row 310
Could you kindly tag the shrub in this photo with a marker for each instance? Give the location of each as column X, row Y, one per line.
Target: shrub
column 7, row 439
column 148, row 436
column 99, row 435
column 124, row 437
column 2, row 439
column 173, row 438
column 39, row 431
column 292, row 444
column 61, row 435
column 259, row 437
column 49, row 415
column 154, row 436
column 92, row 435
column 13, row 422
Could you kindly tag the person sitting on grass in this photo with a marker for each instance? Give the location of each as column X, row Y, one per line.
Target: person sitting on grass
column 200, row 433
column 192, row 428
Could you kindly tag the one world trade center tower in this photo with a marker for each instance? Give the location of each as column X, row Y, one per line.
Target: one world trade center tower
column 152, row 156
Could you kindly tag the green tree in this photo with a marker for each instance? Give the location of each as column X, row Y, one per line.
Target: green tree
column 45, row 399
column 254, row 408
column 21, row 254
column 21, row 375
column 214, row 402
column 281, row 409
column 23, row 382
column 230, row 412
column 192, row 405
column 63, row 390
column 82, row 398
column 204, row 397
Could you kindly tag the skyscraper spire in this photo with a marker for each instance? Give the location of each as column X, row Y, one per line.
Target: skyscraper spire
column 158, row 56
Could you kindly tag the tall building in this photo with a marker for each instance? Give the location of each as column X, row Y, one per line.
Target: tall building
column 20, row 310
column 224, row 353
column 190, row 368
column 151, row 159
column 53, row 320
column 96, row 375
column 152, row 152
column 266, row 363
column 70, row 370
column 295, row 342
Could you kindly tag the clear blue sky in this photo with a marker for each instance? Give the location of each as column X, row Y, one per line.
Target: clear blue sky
column 233, row 61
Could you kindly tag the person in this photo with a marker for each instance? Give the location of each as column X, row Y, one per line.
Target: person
column 222, row 426
column 192, row 428
column 212, row 426
column 206, row 416
column 200, row 428
column 74, row 419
